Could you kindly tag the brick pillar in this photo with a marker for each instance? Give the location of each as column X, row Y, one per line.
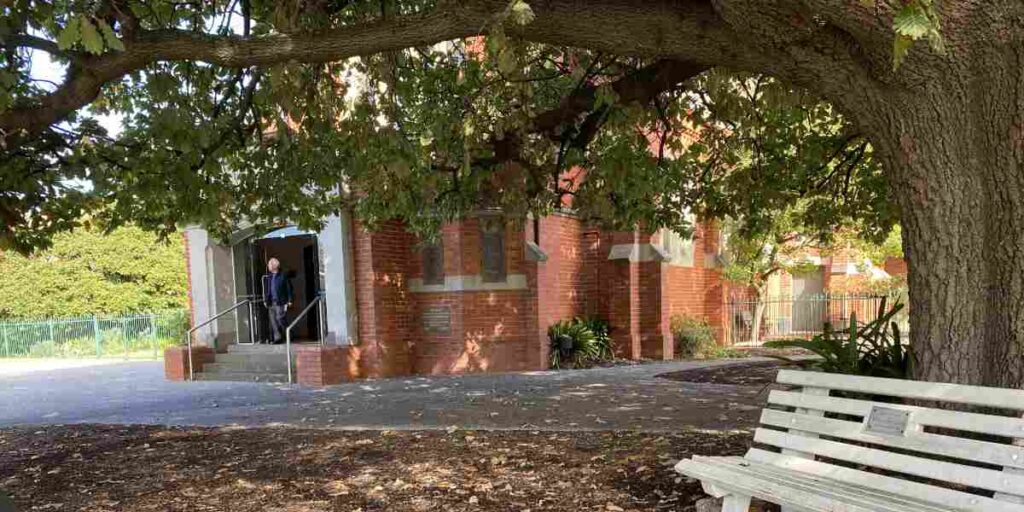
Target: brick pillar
column 624, row 309
column 656, row 336
column 324, row 366
column 638, row 310
column 382, row 297
column 176, row 361
column 540, row 302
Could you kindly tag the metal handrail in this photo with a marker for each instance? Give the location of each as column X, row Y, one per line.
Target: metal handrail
column 288, row 331
column 188, row 341
column 253, row 300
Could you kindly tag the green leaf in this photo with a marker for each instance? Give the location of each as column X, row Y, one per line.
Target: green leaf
column 108, row 34
column 506, row 62
column 900, row 47
column 521, row 13
column 91, row 38
column 605, row 96
column 915, row 20
column 8, row 79
column 70, row 34
column 912, row 21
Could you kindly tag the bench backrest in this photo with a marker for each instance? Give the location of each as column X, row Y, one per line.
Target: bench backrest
column 922, row 452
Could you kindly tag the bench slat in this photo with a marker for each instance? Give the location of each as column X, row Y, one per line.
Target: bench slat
column 970, row 422
column 848, row 493
column 976, row 477
column 1015, row 470
column 957, row 447
column 821, row 498
column 954, row 499
column 971, row 395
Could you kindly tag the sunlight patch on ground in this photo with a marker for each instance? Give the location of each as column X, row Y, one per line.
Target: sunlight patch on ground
column 15, row 367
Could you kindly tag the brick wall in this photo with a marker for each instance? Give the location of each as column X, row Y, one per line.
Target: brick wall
column 506, row 329
column 624, row 305
column 323, row 366
column 896, row 266
column 562, row 291
column 595, row 273
column 699, row 290
column 489, row 330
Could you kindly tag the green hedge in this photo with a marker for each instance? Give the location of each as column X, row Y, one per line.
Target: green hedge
column 87, row 272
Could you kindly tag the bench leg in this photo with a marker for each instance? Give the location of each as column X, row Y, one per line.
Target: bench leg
column 735, row 503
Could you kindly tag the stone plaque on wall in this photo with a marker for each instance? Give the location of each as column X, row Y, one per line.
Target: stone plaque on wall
column 437, row 320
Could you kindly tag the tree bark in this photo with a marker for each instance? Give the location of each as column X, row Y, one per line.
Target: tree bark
column 955, row 158
column 759, row 305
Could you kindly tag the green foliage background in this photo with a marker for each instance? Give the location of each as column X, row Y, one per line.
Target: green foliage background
column 88, row 272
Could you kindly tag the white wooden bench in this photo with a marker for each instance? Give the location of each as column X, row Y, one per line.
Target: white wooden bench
column 840, row 454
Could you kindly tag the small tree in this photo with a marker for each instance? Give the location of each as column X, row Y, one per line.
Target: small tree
column 753, row 257
column 751, row 261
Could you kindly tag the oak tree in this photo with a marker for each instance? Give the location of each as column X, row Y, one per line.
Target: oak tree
column 273, row 116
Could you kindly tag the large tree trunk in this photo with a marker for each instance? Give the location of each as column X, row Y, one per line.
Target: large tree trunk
column 956, row 162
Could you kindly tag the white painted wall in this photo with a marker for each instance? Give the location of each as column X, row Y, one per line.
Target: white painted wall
column 339, row 280
column 199, row 280
column 211, row 285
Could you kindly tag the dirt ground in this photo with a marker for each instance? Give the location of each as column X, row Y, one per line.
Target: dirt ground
column 144, row 468
column 747, row 374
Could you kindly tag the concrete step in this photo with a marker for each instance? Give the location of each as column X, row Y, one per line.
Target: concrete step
column 270, row 358
column 247, row 366
column 256, row 349
column 236, row 376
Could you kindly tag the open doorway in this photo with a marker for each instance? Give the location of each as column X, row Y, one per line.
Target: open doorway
column 298, row 253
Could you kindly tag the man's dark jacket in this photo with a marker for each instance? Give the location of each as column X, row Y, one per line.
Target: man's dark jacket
column 280, row 284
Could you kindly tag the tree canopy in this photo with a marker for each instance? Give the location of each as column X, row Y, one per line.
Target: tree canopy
column 89, row 272
column 440, row 129
column 427, row 133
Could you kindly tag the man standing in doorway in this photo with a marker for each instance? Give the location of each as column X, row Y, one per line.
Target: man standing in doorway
column 277, row 293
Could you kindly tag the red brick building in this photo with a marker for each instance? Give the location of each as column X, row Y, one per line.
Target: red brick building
column 480, row 299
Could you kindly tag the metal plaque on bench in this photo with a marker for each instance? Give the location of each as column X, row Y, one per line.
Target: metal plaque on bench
column 437, row 320
column 887, row 421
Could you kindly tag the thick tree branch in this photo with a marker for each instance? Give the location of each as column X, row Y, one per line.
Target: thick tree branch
column 659, row 27
column 37, row 43
column 84, row 81
column 640, row 87
column 691, row 31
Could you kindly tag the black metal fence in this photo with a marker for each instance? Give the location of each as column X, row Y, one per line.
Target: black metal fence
column 803, row 317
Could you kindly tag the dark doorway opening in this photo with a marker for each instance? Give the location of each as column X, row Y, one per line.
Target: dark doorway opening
column 298, row 252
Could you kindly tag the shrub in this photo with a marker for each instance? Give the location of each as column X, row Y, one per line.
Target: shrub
column 602, row 335
column 874, row 349
column 693, row 338
column 46, row 348
column 173, row 324
column 127, row 270
column 112, row 344
column 579, row 343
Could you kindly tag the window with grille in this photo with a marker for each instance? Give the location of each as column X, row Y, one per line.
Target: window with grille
column 492, row 248
column 433, row 263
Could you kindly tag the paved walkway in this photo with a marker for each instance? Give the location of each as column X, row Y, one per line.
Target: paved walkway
column 625, row 397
